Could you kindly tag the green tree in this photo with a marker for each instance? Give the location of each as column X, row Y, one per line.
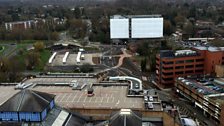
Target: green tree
column 39, row 46
column 188, row 28
column 32, row 60
column 168, row 28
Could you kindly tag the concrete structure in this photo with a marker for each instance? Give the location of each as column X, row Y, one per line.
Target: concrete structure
column 64, row 60
column 136, row 26
column 219, row 70
column 206, row 95
column 199, row 60
column 52, row 57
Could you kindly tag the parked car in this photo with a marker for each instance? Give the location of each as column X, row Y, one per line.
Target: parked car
column 150, row 98
column 150, row 105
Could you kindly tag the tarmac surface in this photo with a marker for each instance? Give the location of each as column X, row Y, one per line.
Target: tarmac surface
column 104, row 97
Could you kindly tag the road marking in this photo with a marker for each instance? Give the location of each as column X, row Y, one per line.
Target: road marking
column 68, row 97
column 79, row 98
column 85, row 99
column 107, row 99
column 73, row 100
column 64, row 94
column 101, row 99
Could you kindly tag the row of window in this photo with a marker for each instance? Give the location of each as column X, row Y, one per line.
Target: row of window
column 182, row 67
column 182, row 72
column 184, row 61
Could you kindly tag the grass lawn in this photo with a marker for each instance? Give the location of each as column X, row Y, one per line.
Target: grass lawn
column 44, row 57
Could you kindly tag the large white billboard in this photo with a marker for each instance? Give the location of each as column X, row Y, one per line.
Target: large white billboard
column 146, row 27
column 119, row 28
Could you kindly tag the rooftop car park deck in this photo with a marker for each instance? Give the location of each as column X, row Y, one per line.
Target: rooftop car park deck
column 112, row 94
column 104, row 97
column 54, row 80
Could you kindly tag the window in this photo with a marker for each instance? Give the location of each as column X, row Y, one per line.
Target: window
column 178, row 73
column 170, row 73
column 189, row 71
column 167, row 79
column 189, row 61
column 199, row 60
column 200, row 65
column 179, row 62
column 169, row 62
column 179, row 67
column 167, row 68
column 198, row 71
column 189, row 66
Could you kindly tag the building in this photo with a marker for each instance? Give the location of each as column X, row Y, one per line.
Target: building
column 219, row 70
column 206, row 94
column 20, row 25
column 27, row 105
column 37, row 108
column 199, row 60
column 126, row 117
column 136, row 27
column 109, row 97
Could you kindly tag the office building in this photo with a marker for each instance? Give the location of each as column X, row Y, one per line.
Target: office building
column 136, row 26
column 199, row 60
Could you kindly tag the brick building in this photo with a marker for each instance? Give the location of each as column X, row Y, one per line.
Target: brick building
column 199, row 60
column 206, row 94
column 20, row 25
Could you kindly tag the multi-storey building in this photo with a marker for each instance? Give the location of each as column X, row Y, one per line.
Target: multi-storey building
column 20, row 25
column 206, row 95
column 198, row 60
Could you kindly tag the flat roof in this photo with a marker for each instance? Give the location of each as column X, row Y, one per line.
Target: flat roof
column 206, row 87
column 52, row 80
column 112, row 97
column 211, row 49
column 178, row 53
column 136, row 16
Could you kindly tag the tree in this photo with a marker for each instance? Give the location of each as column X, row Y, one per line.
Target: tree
column 39, row 46
column 77, row 13
column 32, row 60
column 143, row 65
column 188, row 28
column 179, row 20
column 168, row 28
column 86, row 68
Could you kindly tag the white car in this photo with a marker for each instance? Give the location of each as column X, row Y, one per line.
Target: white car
column 145, row 98
column 145, row 92
column 150, row 98
column 150, row 105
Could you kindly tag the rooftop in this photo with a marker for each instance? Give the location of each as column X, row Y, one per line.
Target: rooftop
column 211, row 49
column 207, row 87
column 178, row 53
column 135, row 16
column 104, row 97
column 27, row 101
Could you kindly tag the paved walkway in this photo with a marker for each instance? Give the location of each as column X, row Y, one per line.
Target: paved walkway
column 122, row 56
